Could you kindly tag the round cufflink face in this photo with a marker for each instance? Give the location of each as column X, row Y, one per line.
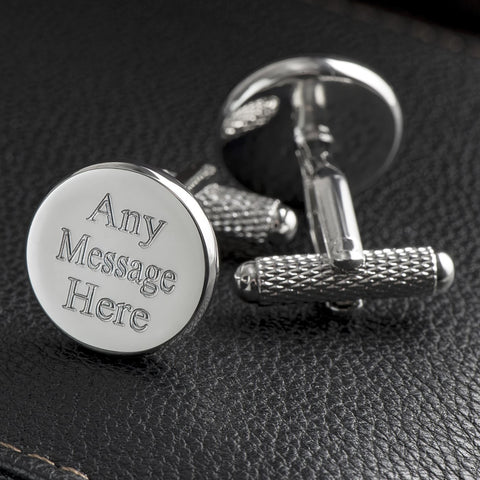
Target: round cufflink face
column 122, row 258
column 348, row 108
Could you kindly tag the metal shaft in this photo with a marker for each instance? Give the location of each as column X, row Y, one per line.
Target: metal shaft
column 329, row 206
column 402, row 272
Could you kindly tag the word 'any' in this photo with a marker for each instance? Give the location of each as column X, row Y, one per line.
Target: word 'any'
column 130, row 223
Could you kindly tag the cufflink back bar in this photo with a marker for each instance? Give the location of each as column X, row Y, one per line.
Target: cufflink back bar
column 244, row 221
column 297, row 129
column 388, row 273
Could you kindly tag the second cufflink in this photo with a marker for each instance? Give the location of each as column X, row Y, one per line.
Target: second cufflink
column 297, row 129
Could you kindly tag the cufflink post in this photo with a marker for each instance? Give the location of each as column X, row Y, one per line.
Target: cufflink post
column 328, row 202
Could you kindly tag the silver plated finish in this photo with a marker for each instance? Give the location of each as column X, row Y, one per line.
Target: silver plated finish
column 247, row 221
column 296, row 127
column 200, row 178
column 386, row 273
column 249, row 117
column 356, row 104
column 243, row 221
column 329, row 119
column 122, row 258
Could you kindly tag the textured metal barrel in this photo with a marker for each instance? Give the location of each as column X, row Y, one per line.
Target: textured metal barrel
column 245, row 217
column 387, row 273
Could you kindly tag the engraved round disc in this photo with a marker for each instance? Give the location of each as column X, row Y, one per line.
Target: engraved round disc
column 357, row 108
column 122, row 258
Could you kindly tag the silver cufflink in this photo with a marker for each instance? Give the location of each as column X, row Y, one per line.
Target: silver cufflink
column 296, row 130
column 123, row 258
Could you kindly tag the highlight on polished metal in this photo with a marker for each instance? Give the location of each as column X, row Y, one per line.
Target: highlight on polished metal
column 296, row 130
column 122, row 258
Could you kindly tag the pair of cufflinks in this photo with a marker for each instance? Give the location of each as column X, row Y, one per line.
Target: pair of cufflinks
column 124, row 258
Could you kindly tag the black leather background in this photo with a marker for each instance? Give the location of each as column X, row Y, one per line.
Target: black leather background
column 274, row 392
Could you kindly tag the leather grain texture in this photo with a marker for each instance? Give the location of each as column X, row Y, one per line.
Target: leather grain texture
column 275, row 392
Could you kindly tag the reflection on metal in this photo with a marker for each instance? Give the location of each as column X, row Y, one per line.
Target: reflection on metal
column 333, row 119
column 250, row 116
